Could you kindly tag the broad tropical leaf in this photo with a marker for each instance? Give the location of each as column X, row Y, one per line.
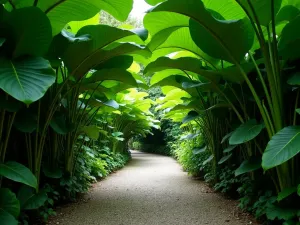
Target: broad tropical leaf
column 19, row 173
column 290, row 40
column 98, row 49
column 197, row 151
column 62, row 12
column 30, row 30
column 27, row 80
column 112, row 74
column 262, row 9
column 209, row 159
column 7, row 218
column 283, row 146
column 9, row 202
column 217, row 38
column 91, row 131
column 30, row 200
column 224, row 159
column 246, row 132
column 229, row 149
column 249, row 165
column 290, row 9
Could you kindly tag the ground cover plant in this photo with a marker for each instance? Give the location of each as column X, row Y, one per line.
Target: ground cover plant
column 71, row 97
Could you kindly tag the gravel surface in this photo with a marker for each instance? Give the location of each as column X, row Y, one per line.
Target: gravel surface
column 151, row 190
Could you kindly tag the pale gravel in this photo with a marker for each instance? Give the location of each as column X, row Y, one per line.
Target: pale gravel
column 151, row 190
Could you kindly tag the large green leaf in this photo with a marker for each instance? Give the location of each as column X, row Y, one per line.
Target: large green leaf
column 98, row 49
column 176, row 81
column 224, row 159
column 181, row 40
column 194, row 65
column 197, row 151
column 228, row 9
column 116, row 74
column 29, row 30
column 246, row 132
column 230, row 148
column 186, row 64
column 283, row 146
column 290, row 9
column 263, row 9
column 91, row 131
column 62, row 12
column 290, row 40
column 122, row 62
column 249, row 165
column 7, row 219
column 161, row 25
column 9, row 202
column 30, row 200
column 217, row 38
column 19, row 173
column 27, row 79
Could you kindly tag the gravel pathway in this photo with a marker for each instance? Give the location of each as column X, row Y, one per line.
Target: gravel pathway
column 151, row 190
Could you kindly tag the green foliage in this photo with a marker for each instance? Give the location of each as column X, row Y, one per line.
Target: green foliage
column 282, row 147
column 9, row 206
column 191, row 161
column 228, row 182
column 19, row 173
column 69, row 95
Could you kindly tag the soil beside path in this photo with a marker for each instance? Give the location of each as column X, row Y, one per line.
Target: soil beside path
column 151, row 190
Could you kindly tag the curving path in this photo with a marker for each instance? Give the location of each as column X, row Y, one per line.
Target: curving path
column 151, row 190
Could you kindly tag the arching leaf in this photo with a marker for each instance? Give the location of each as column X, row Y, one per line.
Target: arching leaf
column 246, row 132
column 250, row 165
column 112, row 74
column 263, row 9
column 7, row 218
column 283, row 146
column 30, row 31
column 217, row 38
column 27, row 80
column 18, row 173
column 224, row 159
column 197, row 151
column 62, row 12
column 290, row 40
column 9, row 204
column 91, row 131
